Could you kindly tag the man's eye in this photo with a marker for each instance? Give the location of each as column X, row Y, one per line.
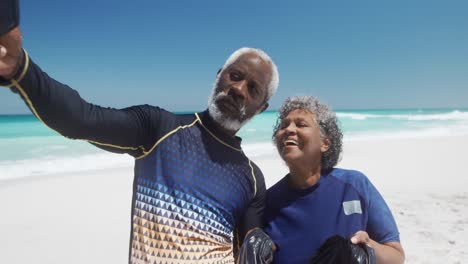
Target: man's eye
column 253, row 89
column 234, row 76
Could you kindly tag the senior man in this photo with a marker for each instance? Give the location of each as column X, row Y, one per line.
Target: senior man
column 195, row 193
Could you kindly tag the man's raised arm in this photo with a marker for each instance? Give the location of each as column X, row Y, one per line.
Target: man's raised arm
column 62, row 109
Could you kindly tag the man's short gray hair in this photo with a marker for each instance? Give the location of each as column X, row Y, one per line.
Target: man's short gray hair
column 326, row 121
column 274, row 80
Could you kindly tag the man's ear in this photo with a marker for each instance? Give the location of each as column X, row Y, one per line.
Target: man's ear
column 264, row 107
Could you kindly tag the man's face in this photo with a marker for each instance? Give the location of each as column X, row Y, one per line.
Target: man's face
column 240, row 92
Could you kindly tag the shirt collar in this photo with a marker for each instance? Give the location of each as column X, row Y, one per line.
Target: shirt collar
column 209, row 123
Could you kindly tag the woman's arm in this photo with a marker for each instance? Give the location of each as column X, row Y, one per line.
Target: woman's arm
column 386, row 253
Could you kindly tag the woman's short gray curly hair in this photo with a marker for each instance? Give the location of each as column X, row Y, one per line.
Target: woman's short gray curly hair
column 326, row 121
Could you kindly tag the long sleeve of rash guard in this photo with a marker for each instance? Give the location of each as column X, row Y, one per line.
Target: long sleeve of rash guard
column 61, row 108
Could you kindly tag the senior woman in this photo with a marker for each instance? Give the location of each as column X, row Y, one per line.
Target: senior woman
column 315, row 201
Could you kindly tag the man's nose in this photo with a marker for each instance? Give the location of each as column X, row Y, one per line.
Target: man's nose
column 239, row 88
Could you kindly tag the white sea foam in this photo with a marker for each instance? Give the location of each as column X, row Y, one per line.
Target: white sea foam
column 358, row 116
column 451, row 116
column 420, row 116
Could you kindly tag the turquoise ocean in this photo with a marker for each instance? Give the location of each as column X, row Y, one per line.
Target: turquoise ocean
column 28, row 148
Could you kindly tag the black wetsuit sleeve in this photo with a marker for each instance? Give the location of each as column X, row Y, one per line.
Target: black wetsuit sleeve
column 61, row 108
column 254, row 215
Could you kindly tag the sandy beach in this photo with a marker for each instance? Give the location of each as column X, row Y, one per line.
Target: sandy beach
column 80, row 218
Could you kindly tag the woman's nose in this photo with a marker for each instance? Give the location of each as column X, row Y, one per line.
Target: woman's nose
column 291, row 128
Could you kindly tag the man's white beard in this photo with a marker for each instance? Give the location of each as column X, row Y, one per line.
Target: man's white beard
column 222, row 119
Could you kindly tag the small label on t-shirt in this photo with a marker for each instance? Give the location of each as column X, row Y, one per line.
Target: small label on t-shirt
column 352, row 207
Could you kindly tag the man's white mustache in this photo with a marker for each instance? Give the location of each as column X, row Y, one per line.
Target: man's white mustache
column 223, row 95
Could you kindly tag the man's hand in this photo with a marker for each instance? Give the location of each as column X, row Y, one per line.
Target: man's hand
column 258, row 248
column 10, row 53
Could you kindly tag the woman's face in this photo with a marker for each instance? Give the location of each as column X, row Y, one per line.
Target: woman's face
column 298, row 139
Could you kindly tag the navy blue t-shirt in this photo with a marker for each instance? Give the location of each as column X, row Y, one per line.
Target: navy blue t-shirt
column 341, row 203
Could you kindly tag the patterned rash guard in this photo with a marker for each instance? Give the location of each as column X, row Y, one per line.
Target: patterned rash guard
column 195, row 192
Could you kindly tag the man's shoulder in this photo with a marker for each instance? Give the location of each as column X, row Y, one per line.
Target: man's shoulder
column 254, row 165
column 161, row 114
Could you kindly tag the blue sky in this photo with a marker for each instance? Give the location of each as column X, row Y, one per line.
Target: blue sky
column 351, row 54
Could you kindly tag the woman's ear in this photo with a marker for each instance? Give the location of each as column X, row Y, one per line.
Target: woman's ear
column 325, row 145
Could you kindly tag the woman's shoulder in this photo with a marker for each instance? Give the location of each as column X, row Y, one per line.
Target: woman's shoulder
column 347, row 174
column 355, row 178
